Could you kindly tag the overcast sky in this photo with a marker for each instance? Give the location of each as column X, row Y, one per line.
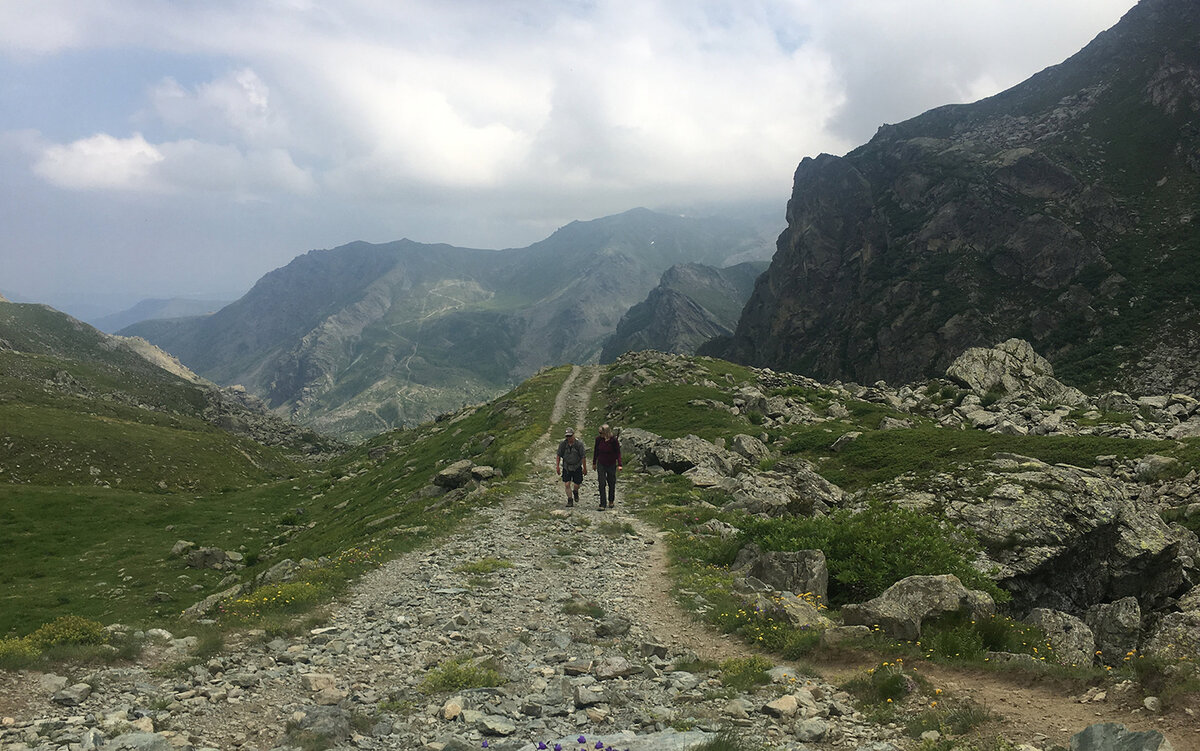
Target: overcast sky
column 153, row 148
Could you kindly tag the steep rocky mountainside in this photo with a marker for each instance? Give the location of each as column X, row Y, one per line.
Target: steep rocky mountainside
column 691, row 304
column 1060, row 211
column 362, row 338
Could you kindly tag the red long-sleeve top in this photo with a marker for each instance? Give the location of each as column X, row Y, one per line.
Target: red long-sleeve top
column 607, row 452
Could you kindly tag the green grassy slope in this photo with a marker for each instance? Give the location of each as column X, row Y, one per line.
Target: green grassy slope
column 69, row 545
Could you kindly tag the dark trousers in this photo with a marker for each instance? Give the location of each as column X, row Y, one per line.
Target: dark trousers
column 607, row 475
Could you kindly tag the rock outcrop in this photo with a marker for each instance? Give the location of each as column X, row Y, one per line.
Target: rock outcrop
column 1032, row 213
column 906, row 605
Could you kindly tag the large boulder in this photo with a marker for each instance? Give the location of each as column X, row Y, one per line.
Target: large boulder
column 1068, row 538
column 1069, row 637
column 796, row 571
column 1011, row 367
column 1116, row 627
column 214, row 558
column 1111, row 736
column 791, row 488
column 456, row 475
column 682, row 454
column 1176, row 637
column 906, row 605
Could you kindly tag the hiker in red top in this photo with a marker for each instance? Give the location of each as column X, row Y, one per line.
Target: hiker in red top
column 606, row 458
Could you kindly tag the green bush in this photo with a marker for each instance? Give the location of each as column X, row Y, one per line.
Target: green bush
column 16, row 653
column 68, row 630
column 887, row 683
column 869, row 551
column 727, row 740
column 948, row 719
column 744, row 673
column 461, row 673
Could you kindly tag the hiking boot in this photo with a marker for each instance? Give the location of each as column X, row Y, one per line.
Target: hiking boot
column 576, row 495
column 601, row 506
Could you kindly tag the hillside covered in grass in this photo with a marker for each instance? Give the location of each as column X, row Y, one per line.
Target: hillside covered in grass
column 107, row 461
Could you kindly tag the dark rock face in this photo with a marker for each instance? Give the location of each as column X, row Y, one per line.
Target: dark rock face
column 692, row 304
column 1058, row 211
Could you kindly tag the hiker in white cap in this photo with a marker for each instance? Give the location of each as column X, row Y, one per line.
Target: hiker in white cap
column 571, row 464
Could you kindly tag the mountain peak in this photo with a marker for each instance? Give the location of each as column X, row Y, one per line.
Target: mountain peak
column 1058, row 211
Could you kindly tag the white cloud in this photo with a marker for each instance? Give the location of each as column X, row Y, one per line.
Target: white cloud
column 103, row 162
column 473, row 121
column 235, row 106
column 100, row 162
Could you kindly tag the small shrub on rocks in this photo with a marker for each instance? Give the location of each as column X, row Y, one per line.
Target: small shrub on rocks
column 589, row 608
column 867, row 552
column 887, row 683
column 16, row 653
column 461, row 673
column 68, row 630
column 744, row 673
column 948, row 719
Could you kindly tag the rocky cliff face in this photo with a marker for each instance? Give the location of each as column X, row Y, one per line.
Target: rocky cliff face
column 691, row 304
column 1059, row 211
column 363, row 338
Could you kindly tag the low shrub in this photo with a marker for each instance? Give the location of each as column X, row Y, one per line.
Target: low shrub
column 16, row 653
column 887, row 683
column 461, row 673
column 867, row 552
column 744, row 673
column 68, row 630
column 955, row 718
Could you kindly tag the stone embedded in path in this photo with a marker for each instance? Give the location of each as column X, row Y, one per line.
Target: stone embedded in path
column 73, row 696
column 1112, row 736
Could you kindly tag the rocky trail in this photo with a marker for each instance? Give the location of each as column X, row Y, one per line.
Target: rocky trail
column 570, row 606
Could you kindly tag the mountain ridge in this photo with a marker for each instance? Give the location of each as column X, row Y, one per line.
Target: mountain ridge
column 361, row 338
column 1058, row 211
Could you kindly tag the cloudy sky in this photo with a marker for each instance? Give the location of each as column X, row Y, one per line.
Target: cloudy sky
column 152, row 148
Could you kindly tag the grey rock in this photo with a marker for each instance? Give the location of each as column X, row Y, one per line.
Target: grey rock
column 750, row 447
column 1070, row 637
column 1011, row 367
column 1067, row 538
column 456, row 475
column 679, row 455
column 181, row 547
column 1116, row 627
column 496, row 726
column 1176, row 637
column 1111, row 736
column 799, row 572
column 908, row 603
column 139, row 742
column 72, row 696
column 207, row 558
column 811, row 730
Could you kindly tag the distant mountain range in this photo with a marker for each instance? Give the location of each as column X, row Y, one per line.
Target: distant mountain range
column 152, row 309
column 1063, row 211
column 362, row 338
